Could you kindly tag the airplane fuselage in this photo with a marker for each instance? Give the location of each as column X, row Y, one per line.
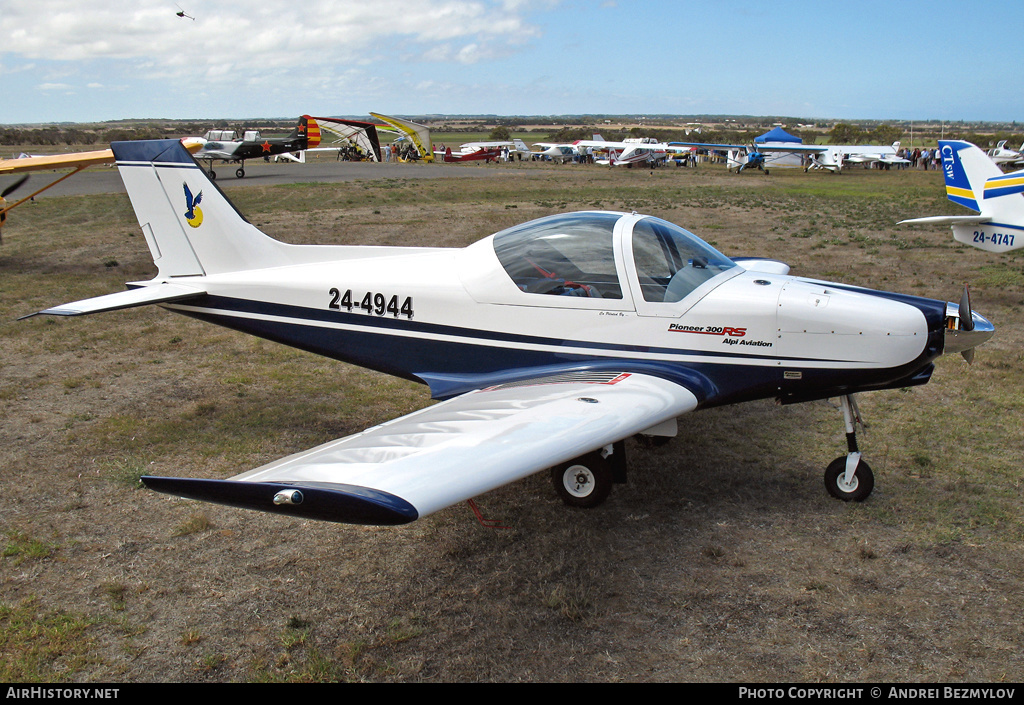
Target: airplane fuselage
column 455, row 320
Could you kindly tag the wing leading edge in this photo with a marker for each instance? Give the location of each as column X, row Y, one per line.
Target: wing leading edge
column 449, row 452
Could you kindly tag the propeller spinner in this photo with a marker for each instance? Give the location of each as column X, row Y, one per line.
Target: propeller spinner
column 965, row 329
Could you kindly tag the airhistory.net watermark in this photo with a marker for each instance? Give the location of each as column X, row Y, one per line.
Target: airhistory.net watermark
column 47, row 693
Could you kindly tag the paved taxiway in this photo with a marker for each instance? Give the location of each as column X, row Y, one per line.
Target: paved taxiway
column 259, row 173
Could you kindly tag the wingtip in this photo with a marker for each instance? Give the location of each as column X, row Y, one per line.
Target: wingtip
column 345, row 504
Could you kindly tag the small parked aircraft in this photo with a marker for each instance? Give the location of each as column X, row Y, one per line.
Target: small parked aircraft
column 223, row 145
column 1004, row 156
column 974, row 181
column 472, row 152
column 555, row 151
column 549, row 343
column 647, row 151
column 487, row 151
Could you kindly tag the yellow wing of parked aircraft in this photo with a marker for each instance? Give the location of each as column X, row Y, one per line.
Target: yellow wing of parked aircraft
column 76, row 161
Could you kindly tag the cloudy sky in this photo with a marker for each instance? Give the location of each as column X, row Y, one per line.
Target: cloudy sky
column 80, row 61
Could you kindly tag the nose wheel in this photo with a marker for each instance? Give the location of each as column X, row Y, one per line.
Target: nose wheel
column 849, row 477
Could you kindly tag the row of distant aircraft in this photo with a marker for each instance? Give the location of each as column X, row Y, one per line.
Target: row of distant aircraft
column 739, row 157
column 973, row 178
column 637, row 151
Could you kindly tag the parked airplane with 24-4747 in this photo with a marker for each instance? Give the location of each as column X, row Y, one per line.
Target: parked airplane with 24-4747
column 974, row 181
column 549, row 343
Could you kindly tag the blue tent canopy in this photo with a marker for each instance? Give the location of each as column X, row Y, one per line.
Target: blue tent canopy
column 777, row 135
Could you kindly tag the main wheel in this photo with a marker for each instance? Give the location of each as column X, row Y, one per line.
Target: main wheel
column 584, row 482
column 213, row 175
column 240, row 172
column 858, row 489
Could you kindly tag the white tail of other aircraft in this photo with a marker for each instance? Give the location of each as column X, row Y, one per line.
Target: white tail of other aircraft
column 974, row 181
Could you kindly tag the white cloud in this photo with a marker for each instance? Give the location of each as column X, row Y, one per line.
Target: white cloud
column 246, row 36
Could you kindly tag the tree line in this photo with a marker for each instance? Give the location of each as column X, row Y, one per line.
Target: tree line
column 103, row 134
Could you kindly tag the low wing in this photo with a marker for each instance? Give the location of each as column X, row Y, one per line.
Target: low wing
column 449, row 452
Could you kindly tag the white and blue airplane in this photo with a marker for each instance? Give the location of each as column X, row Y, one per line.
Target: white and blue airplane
column 974, row 181
column 825, row 157
column 548, row 344
column 1005, row 156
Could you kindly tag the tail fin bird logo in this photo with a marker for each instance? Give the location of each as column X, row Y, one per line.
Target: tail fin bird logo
column 194, row 215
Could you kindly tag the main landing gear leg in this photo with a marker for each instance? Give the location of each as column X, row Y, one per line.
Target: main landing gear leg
column 849, row 478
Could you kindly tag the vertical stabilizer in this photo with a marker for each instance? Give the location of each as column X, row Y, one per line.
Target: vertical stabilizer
column 966, row 168
column 190, row 226
column 309, row 129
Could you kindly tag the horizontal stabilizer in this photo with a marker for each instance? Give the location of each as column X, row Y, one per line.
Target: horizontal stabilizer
column 948, row 220
column 141, row 296
column 347, row 504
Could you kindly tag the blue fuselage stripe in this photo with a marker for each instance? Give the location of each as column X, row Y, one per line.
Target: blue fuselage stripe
column 386, row 324
column 454, row 360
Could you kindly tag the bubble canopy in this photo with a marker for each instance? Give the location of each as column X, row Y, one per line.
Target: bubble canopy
column 574, row 254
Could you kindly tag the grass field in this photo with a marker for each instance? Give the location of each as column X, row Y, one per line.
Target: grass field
column 723, row 559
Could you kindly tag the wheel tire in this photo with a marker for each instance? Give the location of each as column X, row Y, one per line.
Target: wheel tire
column 584, row 482
column 213, row 175
column 861, row 487
column 240, row 172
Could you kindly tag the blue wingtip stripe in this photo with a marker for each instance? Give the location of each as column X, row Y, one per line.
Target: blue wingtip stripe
column 346, row 504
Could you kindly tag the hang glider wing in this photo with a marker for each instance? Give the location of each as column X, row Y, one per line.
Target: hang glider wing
column 418, row 134
column 362, row 134
column 449, row 452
